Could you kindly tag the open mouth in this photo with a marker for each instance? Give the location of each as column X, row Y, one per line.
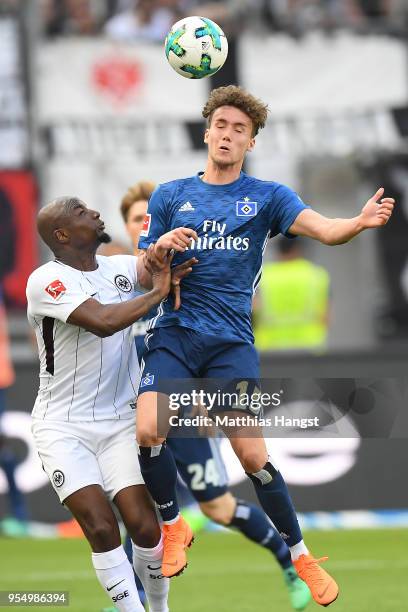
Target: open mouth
column 223, row 148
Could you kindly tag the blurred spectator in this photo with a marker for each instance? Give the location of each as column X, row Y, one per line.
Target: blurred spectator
column 16, row 523
column 291, row 312
column 9, row 5
column 7, row 236
column 73, row 17
column 147, row 20
column 298, row 17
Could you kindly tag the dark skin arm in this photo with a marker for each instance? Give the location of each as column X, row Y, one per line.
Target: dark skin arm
column 106, row 319
column 178, row 239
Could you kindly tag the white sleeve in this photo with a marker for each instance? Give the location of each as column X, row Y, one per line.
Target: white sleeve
column 54, row 293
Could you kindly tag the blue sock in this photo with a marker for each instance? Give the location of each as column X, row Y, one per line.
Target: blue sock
column 129, row 553
column 160, row 475
column 255, row 525
column 274, row 498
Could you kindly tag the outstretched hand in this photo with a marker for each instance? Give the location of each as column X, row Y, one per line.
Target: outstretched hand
column 160, row 270
column 377, row 210
column 178, row 239
column 177, row 275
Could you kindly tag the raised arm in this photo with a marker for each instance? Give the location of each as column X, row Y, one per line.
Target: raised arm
column 375, row 213
column 106, row 319
column 178, row 239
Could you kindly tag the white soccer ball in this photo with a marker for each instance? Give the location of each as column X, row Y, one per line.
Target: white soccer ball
column 196, row 47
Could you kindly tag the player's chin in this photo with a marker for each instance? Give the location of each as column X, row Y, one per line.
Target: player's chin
column 104, row 238
column 224, row 161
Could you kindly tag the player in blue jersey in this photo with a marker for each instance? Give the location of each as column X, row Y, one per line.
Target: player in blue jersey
column 199, row 460
column 210, row 335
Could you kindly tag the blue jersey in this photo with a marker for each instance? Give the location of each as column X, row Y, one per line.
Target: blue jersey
column 233, row 223
column 139, row 329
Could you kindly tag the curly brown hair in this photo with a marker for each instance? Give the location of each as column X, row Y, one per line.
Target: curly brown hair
column 139, row 191
column 232, row 95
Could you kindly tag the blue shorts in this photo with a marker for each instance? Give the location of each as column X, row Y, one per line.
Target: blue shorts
column 182, row 354
column 201, row 467
column 198, row 460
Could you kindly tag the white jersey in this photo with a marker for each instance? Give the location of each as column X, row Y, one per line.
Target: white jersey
column 83, row 377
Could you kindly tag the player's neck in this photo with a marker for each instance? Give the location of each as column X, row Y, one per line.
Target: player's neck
column 221, row 175
column 83, row 261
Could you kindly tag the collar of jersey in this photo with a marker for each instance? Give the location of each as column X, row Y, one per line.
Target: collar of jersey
column 226, row 187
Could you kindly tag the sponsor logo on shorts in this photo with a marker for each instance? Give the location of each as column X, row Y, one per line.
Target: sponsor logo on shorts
column 58, row 478
column 146, row 225
column 56, row 289
column 123, row 283
column 147, row 380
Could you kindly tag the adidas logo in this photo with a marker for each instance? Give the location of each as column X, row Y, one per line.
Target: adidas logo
column 186, row 207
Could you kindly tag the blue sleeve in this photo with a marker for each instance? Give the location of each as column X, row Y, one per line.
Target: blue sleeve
column 155, row 223
column 285, row 207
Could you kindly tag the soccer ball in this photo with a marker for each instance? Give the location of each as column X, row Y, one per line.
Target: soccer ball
column 196, row 47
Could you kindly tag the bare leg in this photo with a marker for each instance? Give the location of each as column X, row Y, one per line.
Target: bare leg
column 98, row 522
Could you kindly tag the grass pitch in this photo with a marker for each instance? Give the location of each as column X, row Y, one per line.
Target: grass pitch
column 226, row 573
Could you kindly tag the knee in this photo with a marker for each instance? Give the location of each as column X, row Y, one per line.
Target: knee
column 145, row 533
column 148, row 409
column 100, row 532
column 219, row 510
column 253, row 461
column 147, row 436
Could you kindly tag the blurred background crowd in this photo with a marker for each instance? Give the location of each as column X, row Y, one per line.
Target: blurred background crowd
column 150, row 19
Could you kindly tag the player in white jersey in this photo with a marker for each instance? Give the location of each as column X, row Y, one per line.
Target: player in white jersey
column 81, row 306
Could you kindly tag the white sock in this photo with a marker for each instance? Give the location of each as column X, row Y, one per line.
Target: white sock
column 115, row 574
column 147, row 565
column 297, row 550
column 172, row 521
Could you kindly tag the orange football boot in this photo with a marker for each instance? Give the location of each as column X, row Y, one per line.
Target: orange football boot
column 176, row 538
column 323, row 587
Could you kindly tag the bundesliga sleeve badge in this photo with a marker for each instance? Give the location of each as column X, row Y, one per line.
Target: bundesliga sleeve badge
column 146, row 225
column 56, row 289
